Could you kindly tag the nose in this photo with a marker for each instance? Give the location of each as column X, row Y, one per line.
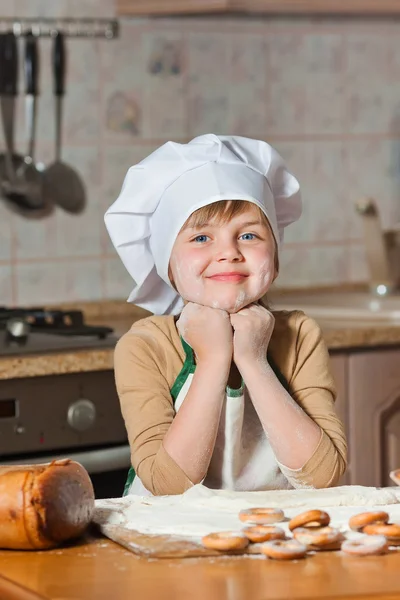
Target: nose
column 228, row 251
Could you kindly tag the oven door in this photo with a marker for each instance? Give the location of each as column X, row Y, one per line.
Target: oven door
column 107, row 467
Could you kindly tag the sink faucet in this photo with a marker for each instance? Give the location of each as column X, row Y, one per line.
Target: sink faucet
column 382, row 250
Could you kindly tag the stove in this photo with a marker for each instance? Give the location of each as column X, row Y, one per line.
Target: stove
column 36, row 330
column 75, row 415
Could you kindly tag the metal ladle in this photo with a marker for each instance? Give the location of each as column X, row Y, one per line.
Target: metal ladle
column 62, row 184
column 21, row 194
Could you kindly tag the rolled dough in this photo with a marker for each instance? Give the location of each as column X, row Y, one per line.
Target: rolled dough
column 200, row 511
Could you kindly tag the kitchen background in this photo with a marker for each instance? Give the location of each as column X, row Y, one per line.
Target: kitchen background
column 325, row 93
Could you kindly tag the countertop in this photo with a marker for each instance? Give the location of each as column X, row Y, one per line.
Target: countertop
column 118, row 315
column 339, row 336
column 98, row 569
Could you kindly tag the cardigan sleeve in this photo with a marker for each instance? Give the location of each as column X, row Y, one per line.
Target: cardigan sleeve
column 313, row 388
column 147, row 408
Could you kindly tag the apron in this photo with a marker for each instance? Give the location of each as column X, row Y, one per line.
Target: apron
column 242, row 459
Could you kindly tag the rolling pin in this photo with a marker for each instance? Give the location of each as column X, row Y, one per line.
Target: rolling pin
column 42, row 506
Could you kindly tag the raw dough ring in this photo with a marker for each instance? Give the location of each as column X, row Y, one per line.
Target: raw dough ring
column 391, row 531
column 358, row 522
column 317, row 537
column 225, row 540
column 310, row 518
column 264, row 533
column 283, row 549
column 261, row 516
column 366, row 546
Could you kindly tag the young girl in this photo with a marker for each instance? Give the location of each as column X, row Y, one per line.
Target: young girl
column 215, row 388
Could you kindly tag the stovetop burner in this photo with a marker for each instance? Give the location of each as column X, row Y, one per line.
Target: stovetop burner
column 38, row 330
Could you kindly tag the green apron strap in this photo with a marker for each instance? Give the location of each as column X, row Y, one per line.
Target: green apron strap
column 129, row 481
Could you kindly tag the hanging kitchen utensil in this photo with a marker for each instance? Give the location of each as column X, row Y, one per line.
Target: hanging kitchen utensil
column 62, row 184
column 8, row 91
column 28, row 169
column 20, row 194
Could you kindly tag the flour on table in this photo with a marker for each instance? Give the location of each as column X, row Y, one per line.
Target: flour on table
column 200, row 511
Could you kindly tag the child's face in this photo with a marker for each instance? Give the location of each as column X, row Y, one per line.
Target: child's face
column 226, row 266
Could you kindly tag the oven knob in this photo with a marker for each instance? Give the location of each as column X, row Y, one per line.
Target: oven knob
column 81, row 415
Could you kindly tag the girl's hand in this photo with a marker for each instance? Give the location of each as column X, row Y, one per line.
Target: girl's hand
column 253, row 327
column 208, row 331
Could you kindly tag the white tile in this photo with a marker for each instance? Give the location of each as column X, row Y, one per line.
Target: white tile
column 373, row 171
column 209, row 58
column 328, row 265
column 367, row 56
column 122, row 118
column 305, row 83
column 122, row 60
column 80, row 235
column 63, row 8
column 164, row 113
column 58, row 281
column 358, row 268
column 298, row 159
column 208, row 109
column 83, row 280
column 247, row 110
column 9, row 8
column 314, row 265
column 35, row 238
column 86, row 161
column 6, row 287
column 5, row 232
column 40, row 283
column 91, row 8
column 329, row 207
column 294, row 267
column 118, row 282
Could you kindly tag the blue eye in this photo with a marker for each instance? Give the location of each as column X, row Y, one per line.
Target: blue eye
column 200, row 238
column 251, row 234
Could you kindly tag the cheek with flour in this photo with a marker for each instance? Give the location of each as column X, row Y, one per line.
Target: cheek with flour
column 187, row 279
column 255, row 287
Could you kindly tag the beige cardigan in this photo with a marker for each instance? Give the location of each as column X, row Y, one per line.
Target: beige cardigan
column 150, row 356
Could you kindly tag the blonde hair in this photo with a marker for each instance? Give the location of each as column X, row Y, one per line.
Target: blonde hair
column 222, row 212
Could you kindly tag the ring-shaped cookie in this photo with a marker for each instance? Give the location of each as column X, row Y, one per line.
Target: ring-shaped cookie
column 361, row 520
column 225, row 541
column 283, row 549
column 261, row 516
column 366, row 546
column 310, row 518
column 391, row 531
column 263, row 533
column 317, row 536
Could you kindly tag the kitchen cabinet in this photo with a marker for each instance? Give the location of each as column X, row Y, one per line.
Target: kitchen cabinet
column 368, row 402
column 374, row 415
column 170, row 7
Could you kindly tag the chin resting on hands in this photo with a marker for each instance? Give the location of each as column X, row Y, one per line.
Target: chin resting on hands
column 252, row 330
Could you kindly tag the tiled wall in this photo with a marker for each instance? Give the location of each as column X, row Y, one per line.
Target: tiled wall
column 326, row 94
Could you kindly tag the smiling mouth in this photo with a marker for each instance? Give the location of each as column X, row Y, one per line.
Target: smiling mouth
column 229, row 277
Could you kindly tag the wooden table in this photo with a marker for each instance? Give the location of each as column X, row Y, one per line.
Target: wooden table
column 98, row 569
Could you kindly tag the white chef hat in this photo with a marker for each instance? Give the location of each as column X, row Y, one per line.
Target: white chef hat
column 161, row 192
